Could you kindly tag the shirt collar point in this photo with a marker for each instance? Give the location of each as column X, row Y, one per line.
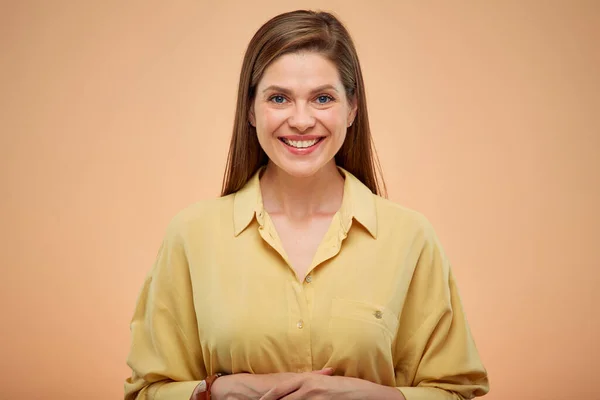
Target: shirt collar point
column 245, row 204
column 360, row 204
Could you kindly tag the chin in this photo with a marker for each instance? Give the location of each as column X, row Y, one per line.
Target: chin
column 300, row 169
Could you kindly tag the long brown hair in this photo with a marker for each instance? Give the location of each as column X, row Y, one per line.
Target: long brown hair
column 287, row 33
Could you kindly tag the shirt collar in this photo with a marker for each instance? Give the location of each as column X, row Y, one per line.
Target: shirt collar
column 358, row 203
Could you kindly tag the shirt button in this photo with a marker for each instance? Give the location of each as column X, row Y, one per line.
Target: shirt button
column 308, row 279
column 300, row 324
column 378, row 314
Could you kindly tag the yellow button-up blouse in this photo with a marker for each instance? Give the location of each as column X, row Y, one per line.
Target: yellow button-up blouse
column 379, row 302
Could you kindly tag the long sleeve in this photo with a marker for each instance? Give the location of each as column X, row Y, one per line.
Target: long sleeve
column 165, row 355
column 437, row 356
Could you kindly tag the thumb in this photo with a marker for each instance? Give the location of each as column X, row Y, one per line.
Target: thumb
column 325, row 371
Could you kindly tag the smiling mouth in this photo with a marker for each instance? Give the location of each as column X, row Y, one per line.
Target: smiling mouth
column 301, row 144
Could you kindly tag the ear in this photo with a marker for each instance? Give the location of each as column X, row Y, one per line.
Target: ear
column 251, row 116
column 352, row 111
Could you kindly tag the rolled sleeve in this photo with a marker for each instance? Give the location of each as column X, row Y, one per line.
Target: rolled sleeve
column 438, row 359
column 165, row 356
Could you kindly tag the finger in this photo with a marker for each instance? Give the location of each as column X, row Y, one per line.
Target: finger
column 297, row 395
column 283, row 389
column 325, row 371
column 278, row 393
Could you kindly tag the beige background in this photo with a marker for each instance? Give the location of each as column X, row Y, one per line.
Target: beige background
column 116, row 114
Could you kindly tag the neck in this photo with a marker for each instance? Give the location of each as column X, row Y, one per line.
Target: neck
column 302, row 198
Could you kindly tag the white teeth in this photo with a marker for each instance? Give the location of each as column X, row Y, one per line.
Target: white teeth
column 300, row 144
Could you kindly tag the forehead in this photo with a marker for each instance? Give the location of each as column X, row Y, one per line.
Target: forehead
column 301, row 70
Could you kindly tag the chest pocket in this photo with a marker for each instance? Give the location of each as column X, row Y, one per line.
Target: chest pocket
column 362, row 336
column 357, row 318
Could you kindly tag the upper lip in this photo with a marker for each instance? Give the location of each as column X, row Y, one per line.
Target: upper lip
column 301, row 137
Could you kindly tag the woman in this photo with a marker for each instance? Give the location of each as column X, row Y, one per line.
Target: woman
column 300, row 282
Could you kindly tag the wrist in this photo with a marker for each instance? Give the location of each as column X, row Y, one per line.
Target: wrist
column 254, row 386
column 203, row 391
column 234, row 386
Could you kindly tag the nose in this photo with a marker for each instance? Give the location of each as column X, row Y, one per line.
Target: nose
column 301, row 117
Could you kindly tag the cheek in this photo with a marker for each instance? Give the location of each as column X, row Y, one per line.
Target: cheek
column 335, row 121
column 269, row 119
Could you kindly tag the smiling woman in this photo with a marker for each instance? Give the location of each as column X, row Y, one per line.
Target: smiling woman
column 301, row 281
column 301, row 110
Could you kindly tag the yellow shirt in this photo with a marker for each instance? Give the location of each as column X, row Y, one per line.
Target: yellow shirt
column 379, row 302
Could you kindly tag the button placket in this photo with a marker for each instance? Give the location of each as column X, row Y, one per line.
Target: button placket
column 303, row 326
column 295, row 315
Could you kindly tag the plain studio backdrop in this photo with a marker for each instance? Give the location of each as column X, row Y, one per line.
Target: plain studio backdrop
column 114, row 115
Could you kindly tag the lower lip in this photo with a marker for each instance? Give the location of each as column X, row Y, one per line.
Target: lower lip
column 304, row 151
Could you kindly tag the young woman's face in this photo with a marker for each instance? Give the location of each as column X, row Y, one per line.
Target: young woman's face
column 301, row 113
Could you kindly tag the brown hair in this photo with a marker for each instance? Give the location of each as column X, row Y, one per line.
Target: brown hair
column 287, row 33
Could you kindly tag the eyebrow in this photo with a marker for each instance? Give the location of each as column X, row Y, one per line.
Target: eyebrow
column 288, row 91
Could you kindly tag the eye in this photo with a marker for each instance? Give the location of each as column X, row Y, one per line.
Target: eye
column 277, row 99
column 324, row 99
